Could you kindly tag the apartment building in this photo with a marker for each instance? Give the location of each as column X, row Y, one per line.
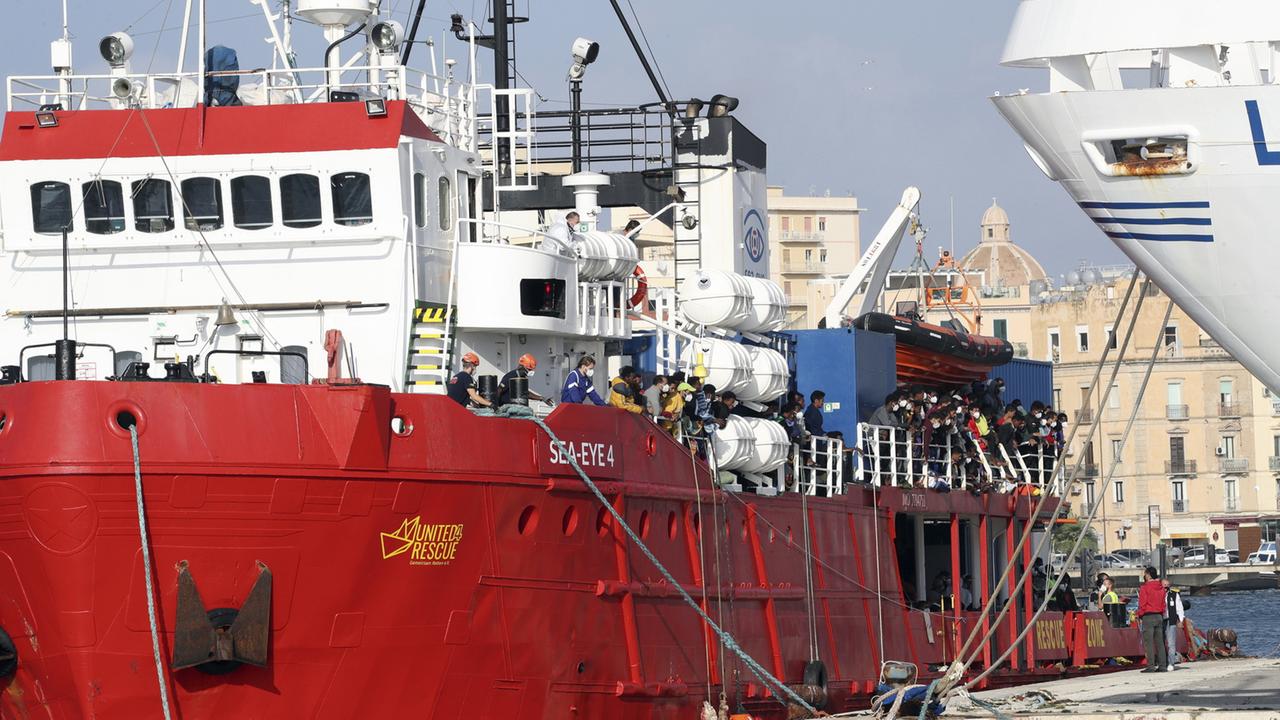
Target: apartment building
column 813, row 245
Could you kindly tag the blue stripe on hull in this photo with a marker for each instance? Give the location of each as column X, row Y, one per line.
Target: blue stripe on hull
column 1158, row 237
column 1152, row 221
column 1144, row 205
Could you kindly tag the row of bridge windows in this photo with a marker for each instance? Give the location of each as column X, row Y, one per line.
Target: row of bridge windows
column 253, row 204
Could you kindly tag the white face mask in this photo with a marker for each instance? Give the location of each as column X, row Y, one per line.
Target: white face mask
column 688, row 397
column 530, row 373
column 666, row 388
column 933, row 399
column 977, row 415
column 936, row 424
column 589, row 372
column 1037, row 415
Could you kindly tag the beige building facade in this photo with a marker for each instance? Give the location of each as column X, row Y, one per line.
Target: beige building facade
column 1202, row 462
column 814, row 242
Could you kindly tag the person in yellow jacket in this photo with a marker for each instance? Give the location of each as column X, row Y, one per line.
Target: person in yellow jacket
column 673, row 409
column 622, row 391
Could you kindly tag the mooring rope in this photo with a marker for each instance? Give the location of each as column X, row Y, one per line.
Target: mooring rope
column 524, row 413
column 146, row 573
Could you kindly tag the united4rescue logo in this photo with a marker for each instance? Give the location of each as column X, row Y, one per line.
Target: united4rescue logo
column 753, row 234
column 423, row 544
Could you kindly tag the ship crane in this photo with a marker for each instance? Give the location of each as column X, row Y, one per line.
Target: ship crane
column 875, row 263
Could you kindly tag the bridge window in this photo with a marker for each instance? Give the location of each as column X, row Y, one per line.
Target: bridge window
column 446, row 199
column 51, row 207
column 103, row 207
column 152, row 206
column 420, row 200
column 352, row 201
column 202, row 203
column 251, row 202
column 300, row 201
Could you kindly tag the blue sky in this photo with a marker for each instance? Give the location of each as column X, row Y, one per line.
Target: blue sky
column 852, row 96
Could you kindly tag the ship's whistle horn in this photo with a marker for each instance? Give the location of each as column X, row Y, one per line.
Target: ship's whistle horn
column 226, row 316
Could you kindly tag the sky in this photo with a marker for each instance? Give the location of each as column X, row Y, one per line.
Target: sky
column 861, row 97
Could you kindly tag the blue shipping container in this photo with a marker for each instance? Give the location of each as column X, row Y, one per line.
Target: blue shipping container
column 1026, row 380
column 855, row 368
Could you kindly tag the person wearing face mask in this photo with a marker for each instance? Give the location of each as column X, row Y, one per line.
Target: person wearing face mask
column 525, row 368
column 578, row 386
column 653, row 395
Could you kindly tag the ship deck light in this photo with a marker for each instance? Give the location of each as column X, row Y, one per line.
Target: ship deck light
column 375, row 107
column 46, row 119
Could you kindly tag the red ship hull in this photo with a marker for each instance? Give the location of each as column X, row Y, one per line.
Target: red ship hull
column 457, row 569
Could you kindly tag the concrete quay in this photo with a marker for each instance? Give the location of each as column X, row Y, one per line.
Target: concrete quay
column 1235, row 689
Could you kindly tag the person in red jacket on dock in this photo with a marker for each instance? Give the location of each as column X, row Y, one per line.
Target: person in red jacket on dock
column 1151, row 619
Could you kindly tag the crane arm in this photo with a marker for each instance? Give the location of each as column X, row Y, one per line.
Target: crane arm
column 875, row 262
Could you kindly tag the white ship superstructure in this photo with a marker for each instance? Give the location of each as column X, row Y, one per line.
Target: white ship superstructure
column 1156, row 122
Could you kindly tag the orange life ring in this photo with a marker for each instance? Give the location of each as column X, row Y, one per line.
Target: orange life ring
column 642, row 288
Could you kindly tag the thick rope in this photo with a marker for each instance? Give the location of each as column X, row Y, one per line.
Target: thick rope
column 524, row 413
column 146, row 573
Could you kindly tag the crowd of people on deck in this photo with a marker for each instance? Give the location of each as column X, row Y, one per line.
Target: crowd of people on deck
column 970, row 435
column 967, row 437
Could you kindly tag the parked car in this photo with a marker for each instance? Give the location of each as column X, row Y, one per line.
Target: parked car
column 1113, row 560
column 1266, row 554
column 1196, row 557
column 1133, row 556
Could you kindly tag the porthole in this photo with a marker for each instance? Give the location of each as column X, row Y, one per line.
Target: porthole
column 569, row 523
column 528, row 521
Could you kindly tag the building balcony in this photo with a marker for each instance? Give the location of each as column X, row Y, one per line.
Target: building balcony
column 1089, row 471
column 803, row 267
column 1233, row 465
column 1273, row 463
column 1275, row 407
column 1229, row 410
column 1233, row 504
column 1180, row 506
column 1180, row 467
column 1177, row 412
column 798, row 236
column 1084, row 415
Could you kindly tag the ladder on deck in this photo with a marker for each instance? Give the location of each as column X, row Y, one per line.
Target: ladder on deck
column 686, row 177
column 431, row 341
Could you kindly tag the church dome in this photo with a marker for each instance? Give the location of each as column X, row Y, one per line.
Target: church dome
column 995, row 215
column 1004, row 264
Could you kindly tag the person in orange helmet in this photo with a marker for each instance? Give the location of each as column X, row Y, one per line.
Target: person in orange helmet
column 526, row 367
column 462, row 387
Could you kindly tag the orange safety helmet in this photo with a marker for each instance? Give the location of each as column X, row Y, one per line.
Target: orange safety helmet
column 470, row 359
column 528, row 362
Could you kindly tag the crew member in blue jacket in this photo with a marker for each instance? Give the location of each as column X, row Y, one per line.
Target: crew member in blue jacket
column 578, row 387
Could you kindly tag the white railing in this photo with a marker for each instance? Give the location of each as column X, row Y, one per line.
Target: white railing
column 447, row 106
column 895, row 457
column 817, row 467
column 602, row 308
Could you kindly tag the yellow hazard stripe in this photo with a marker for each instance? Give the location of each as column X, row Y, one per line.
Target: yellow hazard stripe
column 425, row 367
column 433, row 314
column 425, row 382
column 429, row 336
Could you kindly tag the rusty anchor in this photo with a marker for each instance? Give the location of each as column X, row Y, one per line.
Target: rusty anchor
column 220, row 640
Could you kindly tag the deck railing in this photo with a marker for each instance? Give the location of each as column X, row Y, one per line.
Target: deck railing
column 896, row 457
